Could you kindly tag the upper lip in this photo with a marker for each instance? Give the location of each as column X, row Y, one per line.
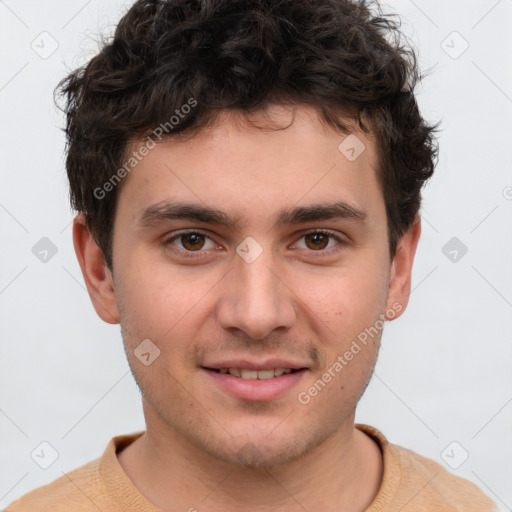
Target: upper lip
column 267, row 364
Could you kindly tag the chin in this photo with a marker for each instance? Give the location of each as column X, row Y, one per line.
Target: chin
column 260, row 451
column 258, row 456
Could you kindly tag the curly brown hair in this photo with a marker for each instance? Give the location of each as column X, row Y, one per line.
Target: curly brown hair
column 343, row 57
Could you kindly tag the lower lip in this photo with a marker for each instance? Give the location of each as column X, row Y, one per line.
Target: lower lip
column 255, row 389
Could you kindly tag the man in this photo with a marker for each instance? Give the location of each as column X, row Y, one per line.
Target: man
column 247, row 177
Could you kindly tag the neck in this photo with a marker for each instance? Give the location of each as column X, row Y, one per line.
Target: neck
column 344, row 471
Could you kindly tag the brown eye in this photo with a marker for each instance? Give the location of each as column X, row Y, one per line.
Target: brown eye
column 192, row 241
column 316, row 241
column 320, row 241
column 189, row 242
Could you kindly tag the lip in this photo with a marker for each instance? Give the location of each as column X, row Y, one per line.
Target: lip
column 256, row 389
column 266, row 364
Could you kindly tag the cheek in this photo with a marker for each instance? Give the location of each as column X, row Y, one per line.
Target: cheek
column 158, row 301
column 345, row 298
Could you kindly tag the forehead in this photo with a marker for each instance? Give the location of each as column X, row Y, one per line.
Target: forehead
column 272, row 160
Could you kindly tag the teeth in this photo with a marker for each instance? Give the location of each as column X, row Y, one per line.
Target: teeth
column 249, row 374
column 265, row 374
column 254, row 374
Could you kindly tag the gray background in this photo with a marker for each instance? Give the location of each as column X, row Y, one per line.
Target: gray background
column 444, row 370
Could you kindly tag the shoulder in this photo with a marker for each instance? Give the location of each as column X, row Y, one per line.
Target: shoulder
column 433, row 485
column 98, row 485
column 414, row 482
column 79, row 490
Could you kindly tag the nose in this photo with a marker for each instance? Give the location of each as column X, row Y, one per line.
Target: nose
column 255, row 299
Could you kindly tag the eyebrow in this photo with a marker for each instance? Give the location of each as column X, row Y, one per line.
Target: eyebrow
column 166, row 211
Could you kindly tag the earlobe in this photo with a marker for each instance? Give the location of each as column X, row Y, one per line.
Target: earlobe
column 97, row 276
column 401, row 269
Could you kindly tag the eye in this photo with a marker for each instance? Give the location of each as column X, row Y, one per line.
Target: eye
column 194, row 241
column 319, row 240
column 190, row 241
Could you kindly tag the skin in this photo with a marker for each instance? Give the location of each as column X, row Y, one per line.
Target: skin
column 298, row 300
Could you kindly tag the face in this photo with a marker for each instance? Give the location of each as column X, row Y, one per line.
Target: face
column 256, row 262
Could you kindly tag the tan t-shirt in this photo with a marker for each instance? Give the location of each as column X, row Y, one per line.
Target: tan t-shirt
column 411, row 483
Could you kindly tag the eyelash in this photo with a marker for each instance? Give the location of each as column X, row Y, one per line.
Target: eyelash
column 195, row 254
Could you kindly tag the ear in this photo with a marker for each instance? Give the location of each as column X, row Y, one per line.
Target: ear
column 401, row 268
column 97, row 276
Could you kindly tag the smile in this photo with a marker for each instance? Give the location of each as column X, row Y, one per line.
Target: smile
column 248, row 374
column 254, row 385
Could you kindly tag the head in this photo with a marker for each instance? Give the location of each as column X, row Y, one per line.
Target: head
column 248, row 177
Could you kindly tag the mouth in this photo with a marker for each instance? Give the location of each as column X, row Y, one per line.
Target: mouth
column 251, row 384
column 249, row 374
